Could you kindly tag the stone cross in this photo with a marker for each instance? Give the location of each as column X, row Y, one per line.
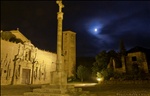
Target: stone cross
column 59, row 2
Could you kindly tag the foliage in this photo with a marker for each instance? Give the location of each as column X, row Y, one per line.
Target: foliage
column 95, row 69
column 102, row 60
column 11, row 37
column 122, row 48
column 99, row 75
column 107, row 73
column 118, row 75
column 112, row 53
column 116, row 57
column 7, row 35
column 82, row 72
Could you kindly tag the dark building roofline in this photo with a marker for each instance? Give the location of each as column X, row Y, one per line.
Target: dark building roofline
column 138, row 49
column 141, row 49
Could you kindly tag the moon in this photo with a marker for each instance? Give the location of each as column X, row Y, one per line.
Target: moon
column 95, row 29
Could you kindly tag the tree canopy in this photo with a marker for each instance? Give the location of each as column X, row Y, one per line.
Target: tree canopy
column 102, row 60
column 11, row 37
column 82, row 72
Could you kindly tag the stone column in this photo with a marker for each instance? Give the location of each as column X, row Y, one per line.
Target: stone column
column 59, row 41
column 59, row 77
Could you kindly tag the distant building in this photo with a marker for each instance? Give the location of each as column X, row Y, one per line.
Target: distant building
column 137, row 59
column 23, row 63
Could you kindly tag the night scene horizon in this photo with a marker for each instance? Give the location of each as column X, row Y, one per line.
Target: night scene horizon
column 99, row 25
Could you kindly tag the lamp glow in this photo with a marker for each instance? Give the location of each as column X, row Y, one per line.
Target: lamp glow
column 99, row 79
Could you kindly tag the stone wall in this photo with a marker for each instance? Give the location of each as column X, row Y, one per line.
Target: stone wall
column 22, row 57
column 138, row 58
column 69, row 52
column 8, row 51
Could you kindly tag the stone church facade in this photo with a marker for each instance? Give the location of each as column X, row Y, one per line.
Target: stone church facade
column 26, row 64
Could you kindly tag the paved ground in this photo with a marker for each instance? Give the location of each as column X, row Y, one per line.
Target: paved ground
column 120, row 89
column 17, row 89
column 99, row 89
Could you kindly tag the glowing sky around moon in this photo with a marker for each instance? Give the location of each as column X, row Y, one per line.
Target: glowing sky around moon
column 94, row 27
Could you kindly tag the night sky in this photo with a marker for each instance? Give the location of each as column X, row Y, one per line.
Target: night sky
column 99, row 25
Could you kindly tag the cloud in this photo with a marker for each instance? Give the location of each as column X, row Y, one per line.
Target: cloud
column 134, row 29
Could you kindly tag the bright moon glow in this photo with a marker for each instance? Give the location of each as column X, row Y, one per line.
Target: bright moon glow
column 95, row 29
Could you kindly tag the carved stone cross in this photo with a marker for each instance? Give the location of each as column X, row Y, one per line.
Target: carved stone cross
column 59, row 2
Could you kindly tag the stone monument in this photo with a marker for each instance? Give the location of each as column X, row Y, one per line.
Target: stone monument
column 58, row 85
column 59, row 76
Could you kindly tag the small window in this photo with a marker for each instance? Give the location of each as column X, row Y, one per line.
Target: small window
column 5, row 71
column 134, row 58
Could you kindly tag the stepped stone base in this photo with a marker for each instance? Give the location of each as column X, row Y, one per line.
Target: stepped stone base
column 58, row 90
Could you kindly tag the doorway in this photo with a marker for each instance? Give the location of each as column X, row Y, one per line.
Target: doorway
column 25, row 76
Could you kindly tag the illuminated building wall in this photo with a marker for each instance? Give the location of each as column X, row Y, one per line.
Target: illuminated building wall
column 69, row 52
column 24, row 63
column 137, row 59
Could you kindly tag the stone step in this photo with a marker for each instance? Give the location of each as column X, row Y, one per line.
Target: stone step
column 43, row 94
column 47, row 90
column 57, row 86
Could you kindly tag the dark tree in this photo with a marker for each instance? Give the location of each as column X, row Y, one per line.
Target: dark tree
column 82, row 72
column 7, row 35
column 11, row 37
column 122, row 48
column 102, row 60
